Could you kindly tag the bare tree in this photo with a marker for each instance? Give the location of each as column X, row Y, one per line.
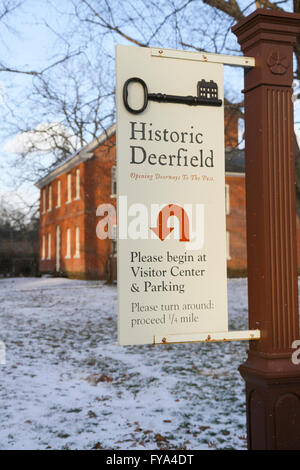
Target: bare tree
column 67, row 108
column 72, row 102
column 19, row 241
column 8, row 9
column 202, row 25
column 233, row 10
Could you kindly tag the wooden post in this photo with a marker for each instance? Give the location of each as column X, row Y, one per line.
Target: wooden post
column 272, row 380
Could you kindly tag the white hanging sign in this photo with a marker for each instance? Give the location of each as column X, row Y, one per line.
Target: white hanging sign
column 172, row 278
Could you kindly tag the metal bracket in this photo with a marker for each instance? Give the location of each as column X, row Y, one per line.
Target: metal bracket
column 208, row 337
column 234, row 60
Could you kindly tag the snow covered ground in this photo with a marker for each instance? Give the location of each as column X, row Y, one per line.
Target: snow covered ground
column 68, row 385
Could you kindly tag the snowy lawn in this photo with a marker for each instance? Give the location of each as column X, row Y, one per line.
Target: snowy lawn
column 68, row 385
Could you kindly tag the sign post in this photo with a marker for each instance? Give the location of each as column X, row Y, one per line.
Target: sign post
column 272, row 379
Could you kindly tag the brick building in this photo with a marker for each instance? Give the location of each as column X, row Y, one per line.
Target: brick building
column 71, row 193
column 236, row 223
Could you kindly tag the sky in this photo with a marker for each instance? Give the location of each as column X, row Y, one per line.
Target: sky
column 29, row 44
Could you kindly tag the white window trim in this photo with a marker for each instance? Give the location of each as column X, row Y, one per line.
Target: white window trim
column 69, row 188
column 49, row 246
column 228, row 257
column 77, row 243
column 68, row 240
column 77, row 196
column 58, row 199
column 43, row 247
column 43, row 201
column 50, row 198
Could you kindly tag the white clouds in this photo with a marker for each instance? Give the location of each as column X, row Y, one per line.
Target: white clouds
column 45, row 138
column 19, row 199
column 43, row 144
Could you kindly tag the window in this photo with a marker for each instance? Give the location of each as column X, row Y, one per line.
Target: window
column 227, row 203
column 50, row 198
column 49, row 246
column 44, row 201
column 69, row 188
column 43, row 247
column 58, row 194
column 77, row 184
column 77, row 242
column 58, row 247
column 113, row 181
column 228, row 245
column 68, row 248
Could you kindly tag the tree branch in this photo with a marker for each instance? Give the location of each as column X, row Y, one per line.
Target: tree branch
column 229, row 7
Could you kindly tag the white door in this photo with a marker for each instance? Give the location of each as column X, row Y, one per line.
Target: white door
column 57, row 249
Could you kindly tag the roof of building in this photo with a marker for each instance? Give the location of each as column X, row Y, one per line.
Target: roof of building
column 234, row 158
column 83, row 154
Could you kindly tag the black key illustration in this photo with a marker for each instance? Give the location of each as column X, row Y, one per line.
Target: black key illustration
column 207, row 95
